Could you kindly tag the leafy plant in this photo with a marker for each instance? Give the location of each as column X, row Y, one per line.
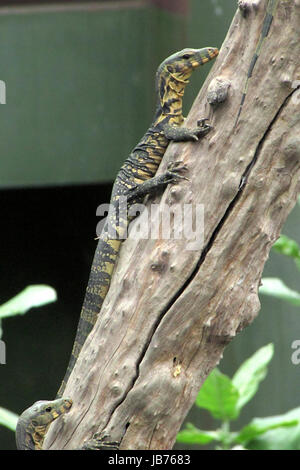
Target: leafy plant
column 275, row 287
column 8, row 419
column 224, row 398
column 31, row 296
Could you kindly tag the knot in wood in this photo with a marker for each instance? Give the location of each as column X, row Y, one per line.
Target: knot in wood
column 218, row 90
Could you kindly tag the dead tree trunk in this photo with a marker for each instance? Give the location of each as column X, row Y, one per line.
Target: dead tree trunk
column 170, row 311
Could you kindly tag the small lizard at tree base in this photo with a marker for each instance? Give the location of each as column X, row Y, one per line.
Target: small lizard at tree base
column 34, row 422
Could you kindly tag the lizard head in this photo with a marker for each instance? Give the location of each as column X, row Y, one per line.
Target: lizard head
column 43, row 412
column 181, row 64
column 34, row 422
column 173, row 73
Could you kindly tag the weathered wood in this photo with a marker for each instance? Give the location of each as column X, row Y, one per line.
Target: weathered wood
column 170, row 311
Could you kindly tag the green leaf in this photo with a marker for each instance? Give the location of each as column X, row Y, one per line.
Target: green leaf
column 8, row 419
column 276, row 288
column 286, row 246
column 251, row 373
column 31, row 296
column 193, row 435
column 260, row 426
column 219, row 395
column 285, row 437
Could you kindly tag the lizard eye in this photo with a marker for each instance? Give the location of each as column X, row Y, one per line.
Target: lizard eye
column 186, row 56
column 49, row 409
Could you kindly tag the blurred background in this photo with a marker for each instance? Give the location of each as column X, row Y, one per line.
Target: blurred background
column 79, row 95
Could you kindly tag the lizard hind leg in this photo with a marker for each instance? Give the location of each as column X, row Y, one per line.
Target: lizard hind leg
column 157, row 183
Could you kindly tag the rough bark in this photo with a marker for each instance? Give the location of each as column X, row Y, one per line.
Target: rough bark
column 170, row 311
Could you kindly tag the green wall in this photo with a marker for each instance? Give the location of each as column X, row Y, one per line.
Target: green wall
column 79, row 90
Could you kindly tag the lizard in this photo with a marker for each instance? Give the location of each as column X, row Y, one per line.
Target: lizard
column 268, row 18
column 34, row 422
column 137, row 178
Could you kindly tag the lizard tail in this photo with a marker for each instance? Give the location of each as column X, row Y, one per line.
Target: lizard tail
column 101, row 272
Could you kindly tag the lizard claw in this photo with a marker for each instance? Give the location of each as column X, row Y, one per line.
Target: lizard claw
column 173, row 175
column 176, row 164
column 202, row 129
column 201, row 122
column 175, row 168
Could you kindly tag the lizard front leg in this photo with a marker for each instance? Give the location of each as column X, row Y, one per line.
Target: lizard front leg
column 181, row 134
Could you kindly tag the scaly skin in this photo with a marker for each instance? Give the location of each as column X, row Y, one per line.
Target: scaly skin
column 136, row 178
column 34, row 422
